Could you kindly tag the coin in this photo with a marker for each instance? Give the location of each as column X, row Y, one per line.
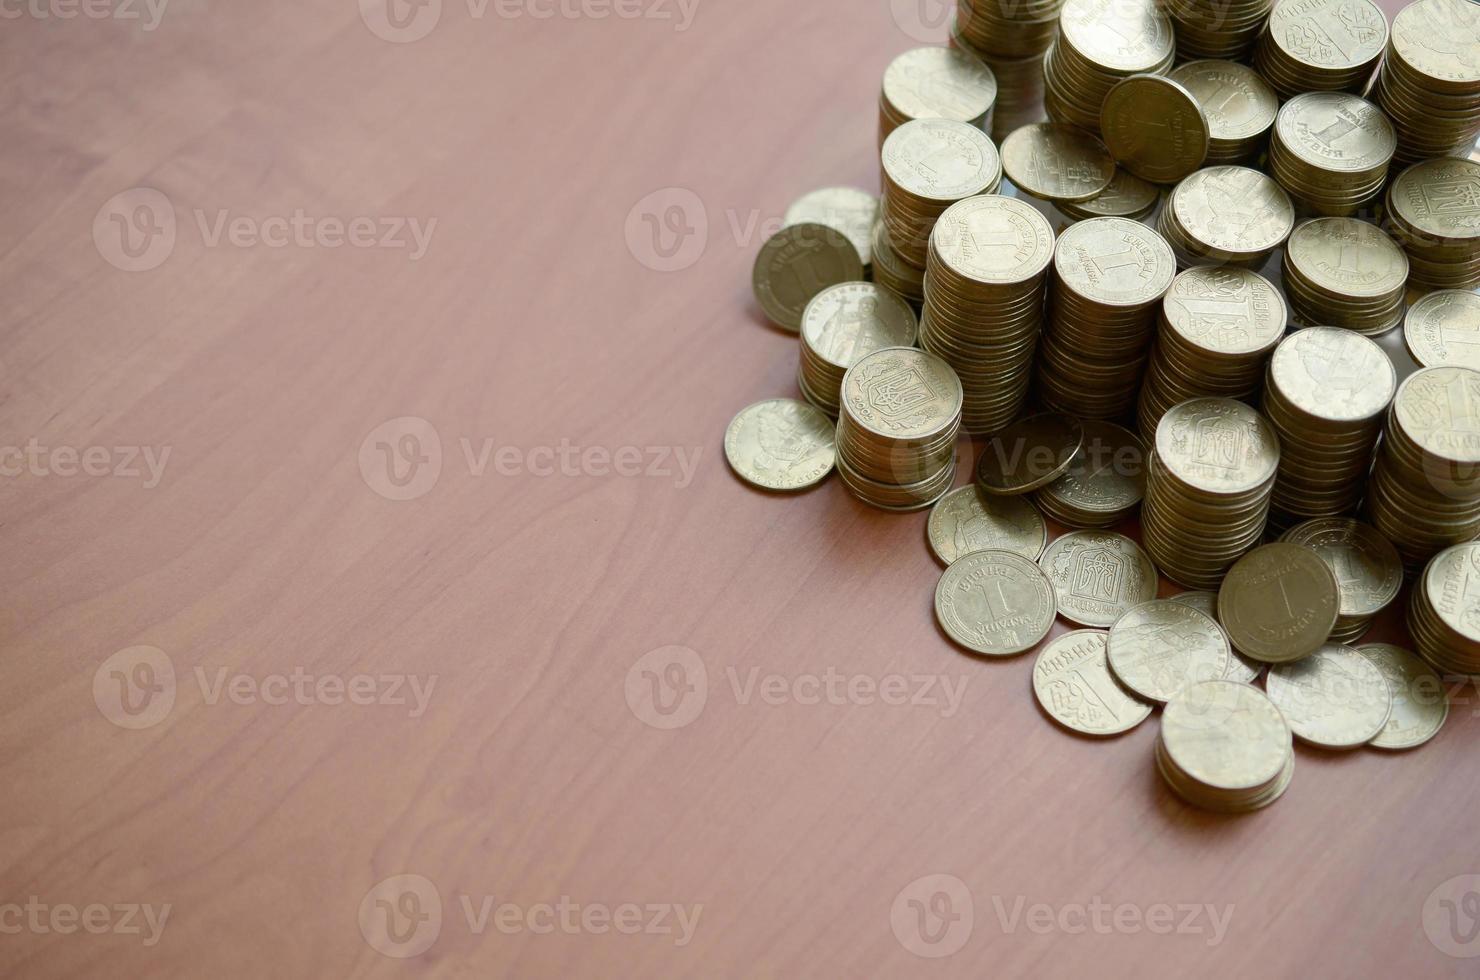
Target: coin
column 1098, row 576
column 1342, row 272
column 1230, row 215
column 1444, row 328
column 1420, row 706
column 840, row 326
column 1029, row 454
column 1368, row 570
column 1430, row 80
column 1217, row 445
column 1160, row 647
column 1071, row 679
column 796, row 264
column 1321, row 45
column 1279, row 603
column 1239, row 105
column 1331, row 150
column 1240, row 668
column 1127, row 196
column 1057, row 162
column 1443, row 614
column 967, row 520
column 995, row 603
column 1154, row 128
column 780, row 444
column 1104, row 483
column 1335, row 698
column 845, row 209
column 937, row 83
column 1225, row 746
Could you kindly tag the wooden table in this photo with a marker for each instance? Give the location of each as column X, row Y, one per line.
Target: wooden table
column 359, row 673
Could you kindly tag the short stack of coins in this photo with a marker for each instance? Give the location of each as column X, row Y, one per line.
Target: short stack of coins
column 1367, row 568
column 984, row 292
column 936, row 83
column 1109, row 277
column 1226, row 216
column 930, row 164
column 1430, row 80
column 1343, row 272
column 1321, row 45
column 1225, row 747
column 896, row 437
column 1330, row 151
column 892, row 272
column 1012, row 31
column 1217, row 28
column 1441, row 611
column 1433, row 210
column 1105, row 481
column 1218, row 326
column 843, row 324
column 1424, row 494
column 1101, row 42
column 1208, row 483
column 1325, row 396
column 1239, row 104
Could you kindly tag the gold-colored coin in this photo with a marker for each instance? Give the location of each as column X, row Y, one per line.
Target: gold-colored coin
column 1439, row 409
column 1057, row 162
column 1127, row 36
column 1159, row 648
column 1155, row 128
column 939, row 83
column 967, row 520
column 1440, row 39
column 1029, row 454
column 1227, row 214
column 1279, row 603
column 995, row 603
column 844, row 323
column 941, row 160
column 1025, row 237
column 1444, row 328
column 1072, row 681
column 1128, row 196
column 1239, row 105
column 1098, row 576
column 1114, row 262
column 796, row 264
column 1217, row 445
column 1420, row 704
column 1105, row 480
column 846, row 209
column 1241, row 668
column 781, row 444
column 1368, row 571
column 1335, row 698
column 902, row 394
column 1225, row 311
column 1225, row 746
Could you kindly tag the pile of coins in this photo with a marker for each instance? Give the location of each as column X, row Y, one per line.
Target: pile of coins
column 1217, row 28
column 984, row 290
column 1101, row 42
column 1226, row 216
column 892, row 272
column 1345, row 273
column 1444, row 328
column 1208, row 483
column 1002, row 30
column 1433, row 209
column 1105, row 481
column 1331, row 150
column 896, row 435
column 1325, row 396
column 1224, row 746
column 1239, row 105
column 843, row 324
column 1430, row 80
column 930, row 164
column 1110, row 276
column 1127, row 196
column 1424, row 494
column 1366, row 566
column 936, row 83
column 1217, row 328
column 1321, row 45
column 1444, row 610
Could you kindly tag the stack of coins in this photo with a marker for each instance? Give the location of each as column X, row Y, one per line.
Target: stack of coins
column 1217, row 28
column 1344, row 272
column 1442, row 611
column 1105, row 482
column 1430, row 81
column 1331, row 151
column 892, row 272
column 1321, row 45
column 1424, row 494
column 1218, row 326
column 1224, row 746
column 936, row 83
column 1433, row 209
column 1008, row 30
column 1019, row 78
column 1368, row 570
column 1444, row 328
column 1240, row 107
column 1109, row 277
column 901, row 413
column 1128, row 196
column 1226, row 216
column 843, row 324
column 984, row 292
column 1325, row 396
column 1101, row 42
column 1208, row 484
column 930, row 164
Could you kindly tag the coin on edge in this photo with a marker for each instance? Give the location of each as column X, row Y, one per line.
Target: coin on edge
column 1420, row 706
column 1072, row 681
column 1161, row 647
column 995, row 603
column 1154, row 128
column 1098, row 576
column 967, row 520
column 1336, row 698
column 1057, row 162
column 1279, row 603
column 797, row 263
column 781, row 444
column 1029, row 453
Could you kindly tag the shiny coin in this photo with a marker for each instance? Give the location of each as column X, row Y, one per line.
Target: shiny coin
column 1333, row 374
column 1230, row 739
column 1279, row 603
column 1160, row 647
column 1057, row 162
column 845, row 209
column 1444, row 328
column 995, row 603
column 939, row 83
column 1127, row 196
column 1217, row 445
column 1420, row 705
column 902, row 394
column 1335, row 698
column 1241, row 668
column 1098, row 576
column 1113, row 262
column 1029, row 454
column 967, row 520
column 845, row 322
column 1229, row 214
column 1105, row 480
column 781, row 444
column 940, row 160
column 1367, row 568
column 1154, row 128
column 1239, row 105
column 1441, row 40
column 1439, row 410
column 796, row 264
column 1125, row 36
column 1072, row 681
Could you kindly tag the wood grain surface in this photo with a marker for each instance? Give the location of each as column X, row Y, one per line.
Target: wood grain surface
column 269, row 763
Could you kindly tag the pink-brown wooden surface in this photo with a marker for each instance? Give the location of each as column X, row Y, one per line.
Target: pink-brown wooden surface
column 533, row 320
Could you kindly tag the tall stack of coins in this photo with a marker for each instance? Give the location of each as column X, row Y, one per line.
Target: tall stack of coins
column 1208, row 485
column 1331, row 151
column 1345, row 273
column 1444, row 328
column 1325, row 396
column 1217, row 28
column 1105, row 482
column 1430, row 81
column 1424, row 494
column 1224, row 746
column 1101, row 42
column 843, row 324
column 901, row 413
column 1239, row 104
column 1442, row 610
column 984, row 292
column 1003, row 30
column 1367, row 568
column 892, row 272
column 1109, row 277
column 1321, row 45
column 929, row 164
column 1433, row 209
column 1218, row 326
column 1226, row 216
column 936, row 83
